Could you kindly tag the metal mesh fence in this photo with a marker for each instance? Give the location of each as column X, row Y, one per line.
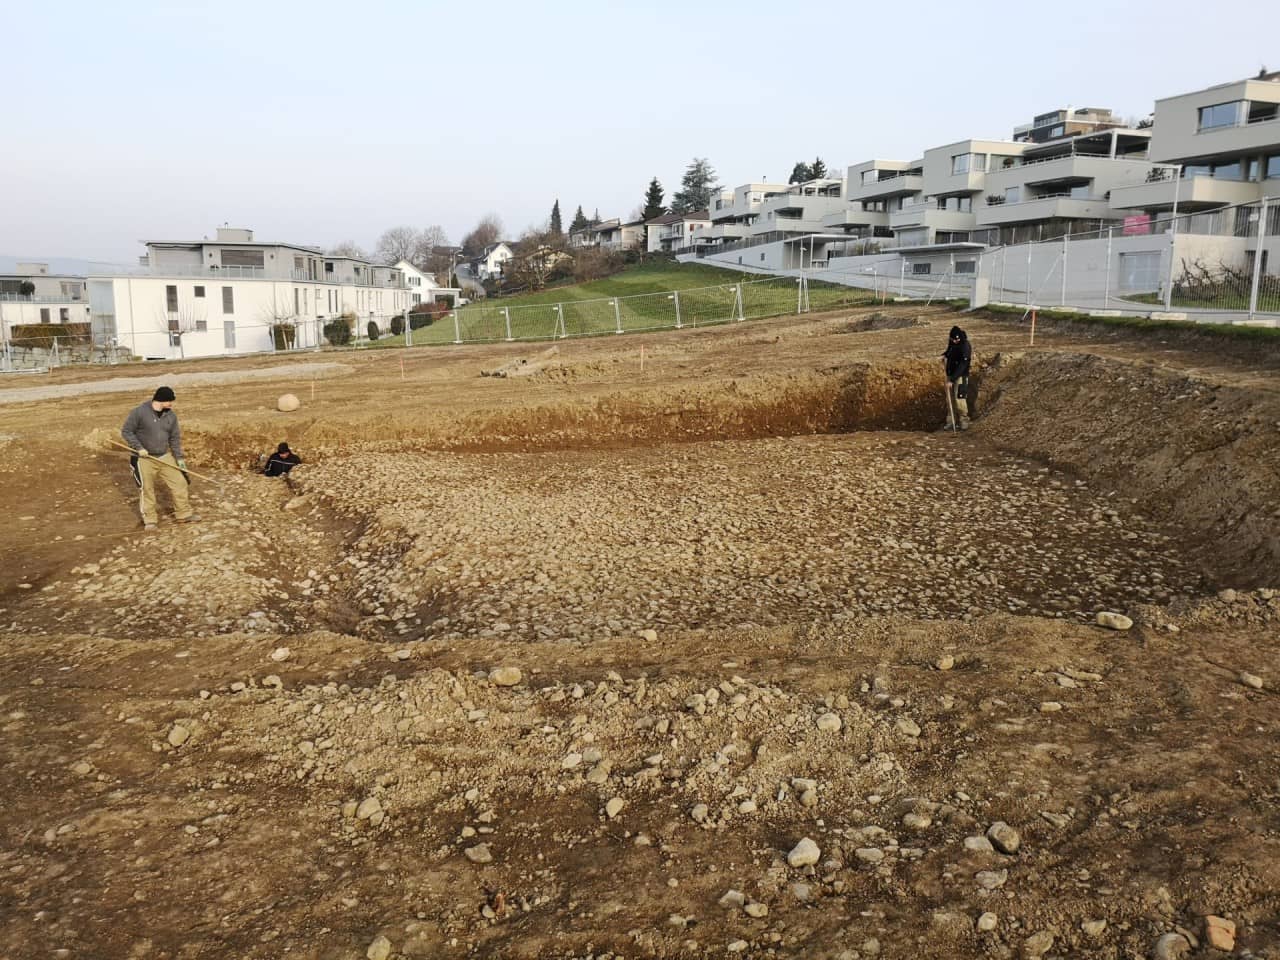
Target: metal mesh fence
column 1216, row 265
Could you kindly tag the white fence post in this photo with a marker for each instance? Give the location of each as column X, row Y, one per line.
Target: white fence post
column 506, row 313
column 457, row 335
column 675, row 295
column 564, row 331
column 1257, row 259
column 1106, row 283
column 1028, row 273
column 1064, row 269
column 617, row 316
column 902, row 281
column 742, row 315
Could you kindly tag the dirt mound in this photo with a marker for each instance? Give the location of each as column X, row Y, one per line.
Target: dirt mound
column 880, row 321
column 1204, row 454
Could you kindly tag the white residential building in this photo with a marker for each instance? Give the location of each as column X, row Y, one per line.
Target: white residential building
column 800, row 208
column 422, row 287
column 53, row 298
column 733, row 213
column 611, row 235
column 1222, row 143
column 674, row 231
column 206, row 298
column 489, row 265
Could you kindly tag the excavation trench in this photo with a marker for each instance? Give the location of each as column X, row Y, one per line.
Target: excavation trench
column 1076, row 491
column 820, row 496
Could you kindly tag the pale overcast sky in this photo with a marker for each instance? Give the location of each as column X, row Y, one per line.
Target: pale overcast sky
column 319, row 122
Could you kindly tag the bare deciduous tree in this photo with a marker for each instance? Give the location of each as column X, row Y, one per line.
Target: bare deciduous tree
column 348, row 248
column 487, row 231
column 536, row 258
column 188, row 318
column 398, row 243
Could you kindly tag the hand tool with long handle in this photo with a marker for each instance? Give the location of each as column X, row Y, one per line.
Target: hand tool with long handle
column 165, row 463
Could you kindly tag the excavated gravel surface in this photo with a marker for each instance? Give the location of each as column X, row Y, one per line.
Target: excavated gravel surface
column 584, row 544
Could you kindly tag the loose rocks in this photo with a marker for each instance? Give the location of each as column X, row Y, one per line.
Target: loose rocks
column 1003, row 837
column 804, row 854
column 614, row 807
column 505, row 676
column 988, row 922
column 380, row 949
column 1171, row 946
column 1220, row 932
column 287, row 403
column 480, row 853
column 829, row 723
column 1114, row 621
column 178, row 735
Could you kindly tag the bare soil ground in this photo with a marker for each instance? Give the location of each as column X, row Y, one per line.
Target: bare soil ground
column 745, row 596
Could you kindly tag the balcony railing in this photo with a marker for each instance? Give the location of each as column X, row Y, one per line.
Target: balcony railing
column 41, row 298
column 215, row 272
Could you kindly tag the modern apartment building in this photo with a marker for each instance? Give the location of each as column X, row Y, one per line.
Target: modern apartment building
column 31, row 294
column 1061, row 187
column 1068, row 122
column 734, row 212
column 800, row 208
column 952, row 177
column 1223, row 145
column 211, row 297
column 611, row 235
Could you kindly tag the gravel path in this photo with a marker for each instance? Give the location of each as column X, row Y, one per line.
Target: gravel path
column 291, row 371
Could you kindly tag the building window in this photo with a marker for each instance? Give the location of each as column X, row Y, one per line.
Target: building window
column 960, row 163
column 228, row 300
column 1220, row 115
column 1057, row 131
column 921, row 269
column 966, row 266
column 64, row 315
column 1227, row 171
column 1013, row 194
column 199, row 292
column 242, row 258
column 44, row 314
column 171, row 298
column 1273, row 166
column 202, row 326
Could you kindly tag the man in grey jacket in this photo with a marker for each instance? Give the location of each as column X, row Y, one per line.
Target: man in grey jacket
column 152, row 430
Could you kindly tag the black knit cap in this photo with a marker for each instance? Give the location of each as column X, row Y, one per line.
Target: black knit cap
column 282, row 448
column 164, row 395
column 957, row 332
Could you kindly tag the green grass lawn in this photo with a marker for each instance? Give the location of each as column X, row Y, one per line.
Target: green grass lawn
column 652, row 296
column 1268, row 299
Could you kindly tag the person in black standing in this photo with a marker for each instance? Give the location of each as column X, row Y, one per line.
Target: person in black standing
column 958, row 356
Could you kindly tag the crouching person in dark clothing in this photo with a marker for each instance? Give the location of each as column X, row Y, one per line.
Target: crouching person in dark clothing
column 281, row 462
column 958, row 355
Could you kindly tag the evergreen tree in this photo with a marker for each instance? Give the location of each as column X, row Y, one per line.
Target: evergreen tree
column 653, row 201
column 696, row 187
column 800, row 173
column 580, row 221
column 555, row 226
column 817, row 169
